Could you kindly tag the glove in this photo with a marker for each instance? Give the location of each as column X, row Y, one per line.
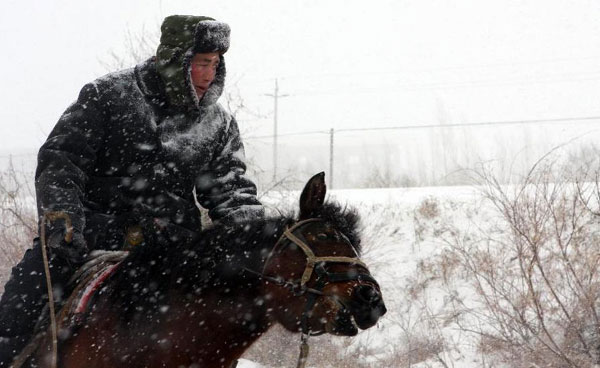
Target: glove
column 74, row 252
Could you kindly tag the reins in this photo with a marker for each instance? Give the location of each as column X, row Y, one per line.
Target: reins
column 315, row 265
column 51, row 216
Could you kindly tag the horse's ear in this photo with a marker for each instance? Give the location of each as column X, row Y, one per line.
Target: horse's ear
column 312, row 196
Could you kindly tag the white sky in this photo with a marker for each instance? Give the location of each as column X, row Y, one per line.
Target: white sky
column 345, row 64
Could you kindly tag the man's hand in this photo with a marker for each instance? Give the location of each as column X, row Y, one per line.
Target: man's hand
column 74, row 252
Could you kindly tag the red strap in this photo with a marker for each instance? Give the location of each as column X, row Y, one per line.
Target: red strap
column 93, row 286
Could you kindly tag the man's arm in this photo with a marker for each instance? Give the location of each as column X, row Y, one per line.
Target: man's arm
column 224, row 189
column 67, row 157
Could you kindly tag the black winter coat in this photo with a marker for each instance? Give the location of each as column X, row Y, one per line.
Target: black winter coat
column 122, row 149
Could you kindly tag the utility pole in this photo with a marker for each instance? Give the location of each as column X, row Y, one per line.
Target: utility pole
column 331, row 133
column 275, row 96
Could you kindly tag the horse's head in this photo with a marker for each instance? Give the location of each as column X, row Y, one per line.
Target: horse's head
column 327, row 288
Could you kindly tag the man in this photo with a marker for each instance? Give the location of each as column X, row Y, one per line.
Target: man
column 136, row 150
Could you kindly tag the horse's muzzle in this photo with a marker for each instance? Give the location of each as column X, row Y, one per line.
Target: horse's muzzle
column 366, row 306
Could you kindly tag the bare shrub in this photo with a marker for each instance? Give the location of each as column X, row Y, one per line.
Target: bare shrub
column 280, row 348
column 276, row 348
column 139, row 46
column 429, row 208
column 424, row 217
column 421, row 338
column 534, row 273
column 386, row 176
column 18, row 219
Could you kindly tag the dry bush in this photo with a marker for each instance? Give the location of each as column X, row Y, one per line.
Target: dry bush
column 429, row 208
column 385, row 176
column 276, row 348
column 280, row 348
column 421, row 338
column 427, row 219
column 18, row 219
column 138, row 46
column 534, row 273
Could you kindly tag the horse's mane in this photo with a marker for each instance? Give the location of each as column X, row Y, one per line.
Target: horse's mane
column 345, row 219
column 215, row 261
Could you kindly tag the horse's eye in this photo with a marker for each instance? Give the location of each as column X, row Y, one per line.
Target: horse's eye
column 322, row 236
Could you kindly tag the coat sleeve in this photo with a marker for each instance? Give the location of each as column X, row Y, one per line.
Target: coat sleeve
column 66, row 159
column 223, row 188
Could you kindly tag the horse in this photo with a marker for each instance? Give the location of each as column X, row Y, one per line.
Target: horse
column 203, row 303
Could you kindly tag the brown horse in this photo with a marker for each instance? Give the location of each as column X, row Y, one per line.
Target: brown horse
column 204, row 303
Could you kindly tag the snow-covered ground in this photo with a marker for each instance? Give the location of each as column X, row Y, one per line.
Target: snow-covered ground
column 402, row 232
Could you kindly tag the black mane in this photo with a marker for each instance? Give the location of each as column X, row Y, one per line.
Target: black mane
column 345, row 219
column 215, row 261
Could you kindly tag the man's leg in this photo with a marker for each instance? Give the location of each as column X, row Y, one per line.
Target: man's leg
column 25, row 295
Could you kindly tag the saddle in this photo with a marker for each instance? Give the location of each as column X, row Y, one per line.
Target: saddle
column 86, row 281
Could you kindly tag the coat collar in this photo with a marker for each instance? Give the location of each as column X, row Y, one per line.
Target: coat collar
column 150, row 82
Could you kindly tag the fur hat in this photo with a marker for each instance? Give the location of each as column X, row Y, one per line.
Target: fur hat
column 203, row 34
column 211, row 36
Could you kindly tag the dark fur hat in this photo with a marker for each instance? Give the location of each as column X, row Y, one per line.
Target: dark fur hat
column 211, row 36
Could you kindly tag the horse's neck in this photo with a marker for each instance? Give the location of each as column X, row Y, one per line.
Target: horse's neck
column 218, row 327
column 225, row 322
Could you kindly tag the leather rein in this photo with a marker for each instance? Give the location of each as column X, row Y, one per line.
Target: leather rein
column 316, row 265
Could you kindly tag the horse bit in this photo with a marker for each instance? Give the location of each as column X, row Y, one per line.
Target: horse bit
column 313, row 264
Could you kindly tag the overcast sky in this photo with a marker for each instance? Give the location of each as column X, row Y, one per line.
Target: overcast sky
column 344, row 64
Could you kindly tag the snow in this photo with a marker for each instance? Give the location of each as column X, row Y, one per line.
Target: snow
column 395, row 248
column 244, row 363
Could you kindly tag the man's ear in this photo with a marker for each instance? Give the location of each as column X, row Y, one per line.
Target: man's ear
column 312, row 196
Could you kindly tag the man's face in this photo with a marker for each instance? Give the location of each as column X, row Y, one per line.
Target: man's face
column 204, row 69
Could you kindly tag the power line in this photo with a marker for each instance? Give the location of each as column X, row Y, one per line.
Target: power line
column 430, row 126
column 485, row 123
column 289, row 134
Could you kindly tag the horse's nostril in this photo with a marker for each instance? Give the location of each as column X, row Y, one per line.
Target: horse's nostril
column 367, row 306
column 368, row 294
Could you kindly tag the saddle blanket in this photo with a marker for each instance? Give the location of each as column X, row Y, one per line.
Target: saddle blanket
column 88, row 279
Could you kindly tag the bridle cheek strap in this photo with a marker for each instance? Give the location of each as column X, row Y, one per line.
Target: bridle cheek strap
column 312, row 260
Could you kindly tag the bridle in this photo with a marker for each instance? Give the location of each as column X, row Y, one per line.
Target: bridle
column 316, row 265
